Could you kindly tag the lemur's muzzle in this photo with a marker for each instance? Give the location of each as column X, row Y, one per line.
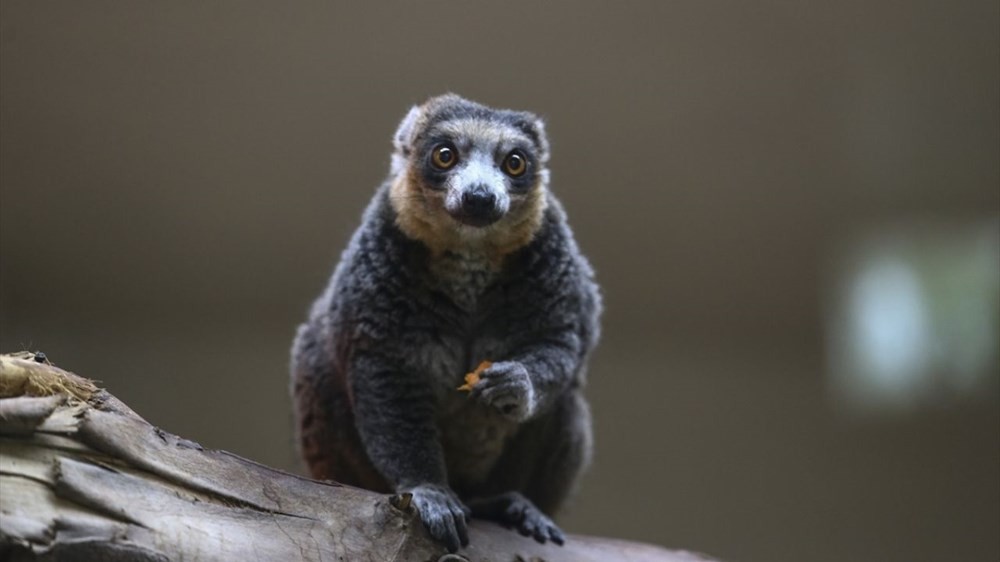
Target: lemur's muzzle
column 479, row 207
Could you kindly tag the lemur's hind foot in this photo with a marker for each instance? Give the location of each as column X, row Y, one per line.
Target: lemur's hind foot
column 514, row 511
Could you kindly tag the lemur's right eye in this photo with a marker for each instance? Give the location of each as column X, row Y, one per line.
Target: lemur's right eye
column 444, row 156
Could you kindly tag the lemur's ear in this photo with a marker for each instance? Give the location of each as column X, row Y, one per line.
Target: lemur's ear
column 533, row 126
column 541, row 139
column 402, row 141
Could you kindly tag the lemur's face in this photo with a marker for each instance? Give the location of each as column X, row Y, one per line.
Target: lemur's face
column 467, row 170
column 478, row 168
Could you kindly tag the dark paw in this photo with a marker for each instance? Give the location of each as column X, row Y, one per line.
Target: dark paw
column 515, row 511
column 506, row 387
column 442, row 513
column 531, row 522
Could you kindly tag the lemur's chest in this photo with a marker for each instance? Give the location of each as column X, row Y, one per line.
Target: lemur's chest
column 463, row 278
column 468, row 326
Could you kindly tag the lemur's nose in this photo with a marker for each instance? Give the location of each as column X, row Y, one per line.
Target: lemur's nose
column 479, row 200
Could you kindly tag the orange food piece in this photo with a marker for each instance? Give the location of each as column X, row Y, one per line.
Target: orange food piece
column 472, row 379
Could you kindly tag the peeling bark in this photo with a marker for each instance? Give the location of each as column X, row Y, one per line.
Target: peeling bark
column 83, row 477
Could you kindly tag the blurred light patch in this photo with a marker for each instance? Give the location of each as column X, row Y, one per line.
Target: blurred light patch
column 913, row 317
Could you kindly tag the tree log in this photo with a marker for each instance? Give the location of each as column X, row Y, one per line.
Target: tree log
column 83, row 477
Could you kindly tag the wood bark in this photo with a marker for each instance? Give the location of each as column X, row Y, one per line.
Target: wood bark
column 83, row 477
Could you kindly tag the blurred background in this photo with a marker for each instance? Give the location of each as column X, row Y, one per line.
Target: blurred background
column 793, row 207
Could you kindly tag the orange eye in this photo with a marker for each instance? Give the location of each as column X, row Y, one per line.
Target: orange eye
column 444, row 156
column 515, row 164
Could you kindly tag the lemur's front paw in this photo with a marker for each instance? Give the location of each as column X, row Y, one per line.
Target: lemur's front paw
column 442, row 513
column 507, row 387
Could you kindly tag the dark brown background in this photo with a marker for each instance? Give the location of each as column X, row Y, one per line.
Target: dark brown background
column 178, row 179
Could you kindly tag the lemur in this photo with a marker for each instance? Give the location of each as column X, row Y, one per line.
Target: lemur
column 463, row 256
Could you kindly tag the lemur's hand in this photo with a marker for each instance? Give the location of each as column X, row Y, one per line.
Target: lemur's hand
column 507, row 387
column 442, row 513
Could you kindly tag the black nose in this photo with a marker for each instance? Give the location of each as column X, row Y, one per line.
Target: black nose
column 478, row 201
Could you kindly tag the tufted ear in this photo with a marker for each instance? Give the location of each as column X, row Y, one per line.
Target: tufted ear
column 533, row 126
column 402, row 141
column 541, row 139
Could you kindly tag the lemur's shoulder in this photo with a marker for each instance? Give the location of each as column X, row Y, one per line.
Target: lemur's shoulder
column 554, row 242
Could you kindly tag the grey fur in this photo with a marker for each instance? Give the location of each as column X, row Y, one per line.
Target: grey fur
column 386, row 345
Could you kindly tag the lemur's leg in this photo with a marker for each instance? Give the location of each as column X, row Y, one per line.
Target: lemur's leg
column 557, row 447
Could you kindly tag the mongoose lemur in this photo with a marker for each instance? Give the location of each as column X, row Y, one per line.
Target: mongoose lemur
column 463, row 256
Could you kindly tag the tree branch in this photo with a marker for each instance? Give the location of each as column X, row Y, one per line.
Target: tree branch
column 84, row 477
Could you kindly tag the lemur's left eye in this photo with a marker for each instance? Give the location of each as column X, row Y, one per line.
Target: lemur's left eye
column 515, row 164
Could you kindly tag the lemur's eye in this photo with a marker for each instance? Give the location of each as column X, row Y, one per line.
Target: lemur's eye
column 515, row 164
column 444, row 156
